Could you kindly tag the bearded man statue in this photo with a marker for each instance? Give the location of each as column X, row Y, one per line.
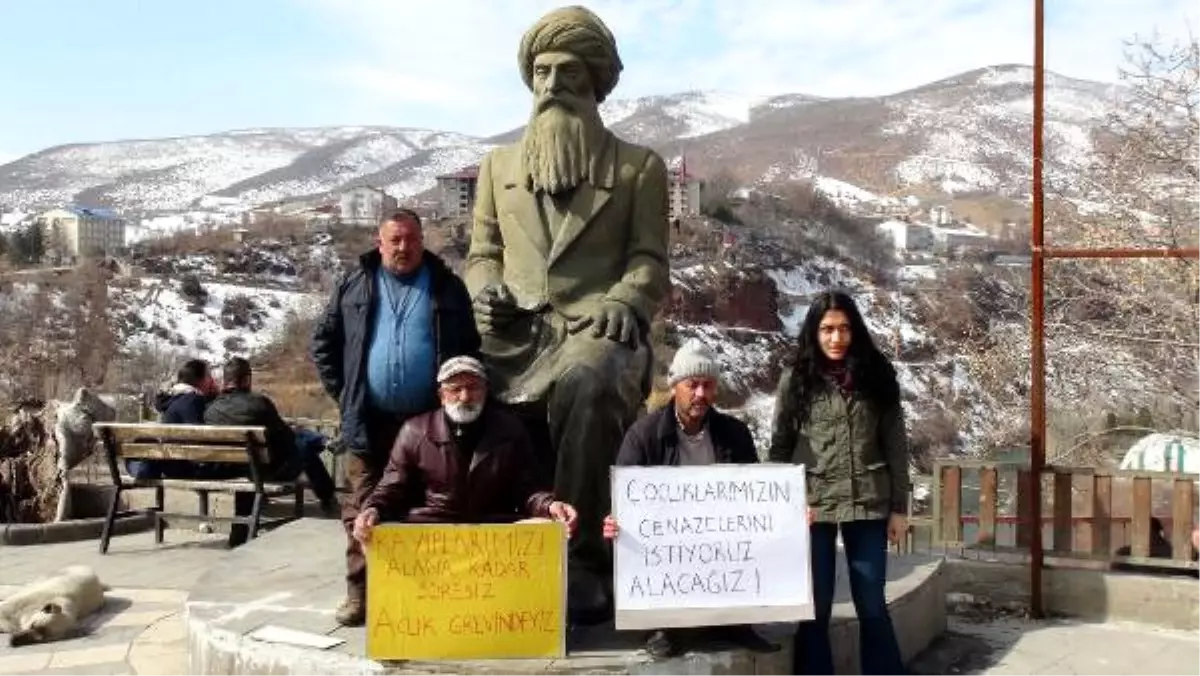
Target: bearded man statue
column 567, row 266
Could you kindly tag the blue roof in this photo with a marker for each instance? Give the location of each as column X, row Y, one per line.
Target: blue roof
column 94, row 212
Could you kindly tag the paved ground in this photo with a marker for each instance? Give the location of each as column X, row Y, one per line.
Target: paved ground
column 1022, row 646
column 140, row 630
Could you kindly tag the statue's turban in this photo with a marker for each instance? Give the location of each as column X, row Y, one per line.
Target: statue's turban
column 575, row 30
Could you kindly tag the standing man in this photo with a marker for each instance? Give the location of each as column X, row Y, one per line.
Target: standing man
column 389, row 324
column 567, row 266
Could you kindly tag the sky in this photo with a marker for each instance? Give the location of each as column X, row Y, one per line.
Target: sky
column 76, row 71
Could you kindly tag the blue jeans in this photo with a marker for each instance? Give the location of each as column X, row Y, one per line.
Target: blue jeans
column 866, row 557
column 307, row 459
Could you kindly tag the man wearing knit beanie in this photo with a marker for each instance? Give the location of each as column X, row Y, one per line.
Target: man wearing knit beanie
column 689, row 431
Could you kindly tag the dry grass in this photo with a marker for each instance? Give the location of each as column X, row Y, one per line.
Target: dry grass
column 285, row 372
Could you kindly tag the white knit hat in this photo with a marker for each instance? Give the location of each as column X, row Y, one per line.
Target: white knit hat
column 693, row 359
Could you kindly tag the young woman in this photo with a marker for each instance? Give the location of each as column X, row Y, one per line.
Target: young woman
column 838, row 413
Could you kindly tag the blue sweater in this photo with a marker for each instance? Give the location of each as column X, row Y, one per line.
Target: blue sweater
column 402, row 355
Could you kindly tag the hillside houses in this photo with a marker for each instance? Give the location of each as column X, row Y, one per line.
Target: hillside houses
column 910, row 238
column 456, row 191
column 365, row 205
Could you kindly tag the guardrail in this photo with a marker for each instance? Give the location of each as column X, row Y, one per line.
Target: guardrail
column 1096, row 517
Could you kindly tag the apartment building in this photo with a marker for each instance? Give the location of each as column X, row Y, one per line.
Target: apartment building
column 74, row 231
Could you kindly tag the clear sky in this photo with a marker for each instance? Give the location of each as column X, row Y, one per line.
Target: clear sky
column 97, row 70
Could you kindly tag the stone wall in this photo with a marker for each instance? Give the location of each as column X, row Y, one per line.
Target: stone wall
column 1094, row 595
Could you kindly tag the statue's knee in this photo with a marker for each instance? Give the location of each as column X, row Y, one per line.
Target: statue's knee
column 584, row 384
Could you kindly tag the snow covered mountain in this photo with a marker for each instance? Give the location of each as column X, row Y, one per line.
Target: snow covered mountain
column 971, row 132
column 965, row 133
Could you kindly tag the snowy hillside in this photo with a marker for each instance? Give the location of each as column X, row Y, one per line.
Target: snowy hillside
column 976, row 128
column 960, row 134
column 230, row 320
column 252, row 166
column 679, row 116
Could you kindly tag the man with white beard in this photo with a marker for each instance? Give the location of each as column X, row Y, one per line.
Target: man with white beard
column 567, row 267
column 469, row 461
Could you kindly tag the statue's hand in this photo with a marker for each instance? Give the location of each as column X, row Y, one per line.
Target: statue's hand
column 614, row 320
column 494, row 307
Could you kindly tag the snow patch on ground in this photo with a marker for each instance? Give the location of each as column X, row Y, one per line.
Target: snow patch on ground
column 167, row 321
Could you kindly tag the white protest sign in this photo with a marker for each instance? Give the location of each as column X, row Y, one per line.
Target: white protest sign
column 713, row 544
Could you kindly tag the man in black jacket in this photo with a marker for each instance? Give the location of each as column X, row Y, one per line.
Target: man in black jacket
column 388, row 326
column 238, row 405
column 689, row 431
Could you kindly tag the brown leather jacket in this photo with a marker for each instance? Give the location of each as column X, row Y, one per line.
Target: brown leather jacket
column 424, row 481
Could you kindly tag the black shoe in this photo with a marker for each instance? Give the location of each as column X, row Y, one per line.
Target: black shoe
column 662, row 645
column 330, row 506
column 744, row 636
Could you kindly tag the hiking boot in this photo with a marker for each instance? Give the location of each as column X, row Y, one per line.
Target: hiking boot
column 352, row 612
column 662, row 644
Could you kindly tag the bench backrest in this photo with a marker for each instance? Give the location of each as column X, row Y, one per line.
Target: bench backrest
column 194, row 443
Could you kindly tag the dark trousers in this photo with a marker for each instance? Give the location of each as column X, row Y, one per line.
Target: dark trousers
column 865, row 544
column 363, row 471
column 305, row 459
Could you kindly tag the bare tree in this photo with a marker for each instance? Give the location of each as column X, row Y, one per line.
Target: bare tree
column 1121, row 333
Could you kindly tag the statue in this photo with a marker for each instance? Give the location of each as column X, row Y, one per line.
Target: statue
column 567, row 266
column 73, row 435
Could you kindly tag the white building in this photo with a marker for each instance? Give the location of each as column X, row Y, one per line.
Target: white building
column 907, row 236
column 960, row 239
column 366, row 206
column 80, row 231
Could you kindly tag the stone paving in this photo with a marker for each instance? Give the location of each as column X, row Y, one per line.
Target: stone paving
column 1008, row 645
column 140, row 629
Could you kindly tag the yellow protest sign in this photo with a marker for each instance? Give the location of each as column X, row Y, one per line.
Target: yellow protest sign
column 451, row 591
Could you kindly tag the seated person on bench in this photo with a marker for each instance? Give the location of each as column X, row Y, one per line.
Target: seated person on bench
column 470, row 461
column 290, row 452
column 181, row 404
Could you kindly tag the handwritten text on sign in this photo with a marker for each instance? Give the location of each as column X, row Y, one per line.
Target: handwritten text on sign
column 465, row 591
column 717, row 536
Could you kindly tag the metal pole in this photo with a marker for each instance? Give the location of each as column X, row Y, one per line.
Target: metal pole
column 1037, row 370
column 1055, row 252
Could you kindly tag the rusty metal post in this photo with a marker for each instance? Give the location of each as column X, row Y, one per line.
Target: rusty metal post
column 1037, row 348
column 1183, row 252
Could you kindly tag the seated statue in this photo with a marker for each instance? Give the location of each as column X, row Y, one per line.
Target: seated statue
column 567, row 266
column 469, row 461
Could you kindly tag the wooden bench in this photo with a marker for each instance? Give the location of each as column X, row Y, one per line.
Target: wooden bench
column 193, row 444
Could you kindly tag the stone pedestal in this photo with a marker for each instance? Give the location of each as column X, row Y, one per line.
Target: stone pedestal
column 293, row 577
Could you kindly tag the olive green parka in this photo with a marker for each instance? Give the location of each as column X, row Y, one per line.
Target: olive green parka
column 855, row 452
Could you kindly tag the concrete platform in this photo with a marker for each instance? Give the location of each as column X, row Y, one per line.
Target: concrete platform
column 293, row 577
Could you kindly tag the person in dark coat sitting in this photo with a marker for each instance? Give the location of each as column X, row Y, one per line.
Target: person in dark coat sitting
column 182, row 403
column 470, row 461
column 289, row 453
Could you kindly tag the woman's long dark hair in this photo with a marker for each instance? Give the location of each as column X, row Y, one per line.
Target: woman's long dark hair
column 872, row 375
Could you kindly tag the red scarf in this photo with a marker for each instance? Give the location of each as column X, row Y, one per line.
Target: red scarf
column 839, row 375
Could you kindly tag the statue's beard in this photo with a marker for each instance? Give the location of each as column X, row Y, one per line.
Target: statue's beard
column 559, row 145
